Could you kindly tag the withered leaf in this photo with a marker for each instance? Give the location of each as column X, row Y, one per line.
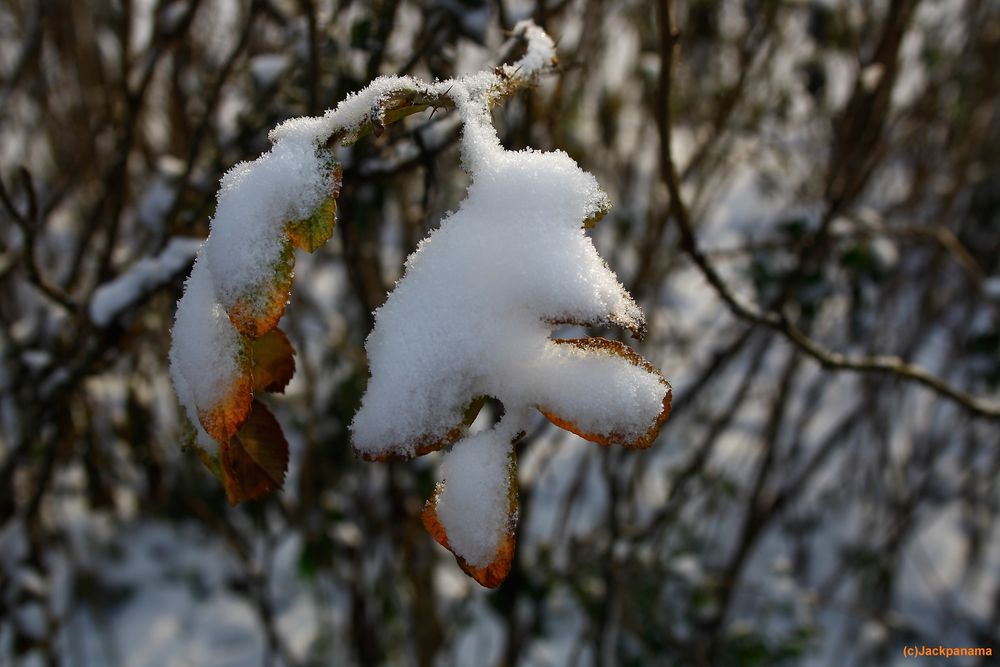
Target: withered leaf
column 312, row 232
column 492, row 574
column 616, row 348
column 258, row 311
column 273, row 361
column 223, row 419
column 254, row 461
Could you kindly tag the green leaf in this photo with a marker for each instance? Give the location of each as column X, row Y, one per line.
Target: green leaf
column 312, row 232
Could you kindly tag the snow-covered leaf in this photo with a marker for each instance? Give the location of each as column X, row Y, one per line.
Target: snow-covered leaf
column 257, row 310
column 475, row 508
column 607, row 431
column 472, row 317
column 312, row 232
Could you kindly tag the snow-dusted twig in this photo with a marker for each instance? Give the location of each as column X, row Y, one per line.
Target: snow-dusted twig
column 117, row 296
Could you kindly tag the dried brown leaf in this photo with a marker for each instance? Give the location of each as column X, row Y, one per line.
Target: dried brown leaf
column 254, row 461
column 273, row 361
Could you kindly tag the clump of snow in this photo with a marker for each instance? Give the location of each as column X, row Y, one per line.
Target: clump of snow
column 480, row 296
column 257, row 199
column 473, row 315
column 207, row 349
column 112, row 298
column 477, row 484
column 541, row 48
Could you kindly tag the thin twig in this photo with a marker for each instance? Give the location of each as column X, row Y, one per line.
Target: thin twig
column 779, row 322
column 27, row 222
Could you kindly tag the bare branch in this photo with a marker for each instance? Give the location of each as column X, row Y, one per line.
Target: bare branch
column 26, row 222
column 777, row 321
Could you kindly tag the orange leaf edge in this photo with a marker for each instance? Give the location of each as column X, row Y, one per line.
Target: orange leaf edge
column 488, row 576
column 621, row 350
column 225, row 418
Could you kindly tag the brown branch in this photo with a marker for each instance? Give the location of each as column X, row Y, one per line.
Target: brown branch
column 938, row 234
column 27, row 222
column 777, row 321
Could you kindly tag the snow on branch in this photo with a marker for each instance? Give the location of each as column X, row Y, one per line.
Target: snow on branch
column 226, row 321
column 470, row 319
column 116, row 296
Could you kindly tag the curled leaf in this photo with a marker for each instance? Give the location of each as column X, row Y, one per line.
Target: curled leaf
column 617, row 349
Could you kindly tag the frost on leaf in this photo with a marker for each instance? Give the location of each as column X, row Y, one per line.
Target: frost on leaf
column 472, row 317
column 226, row 346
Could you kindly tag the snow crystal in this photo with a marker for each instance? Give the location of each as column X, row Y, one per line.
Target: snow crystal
column 112, row 298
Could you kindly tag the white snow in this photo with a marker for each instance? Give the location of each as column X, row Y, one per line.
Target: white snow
column 112, row 298
column 541, row 48
column 473, row 314
column 205, row 359
column 248, row 237
column 257, row 199
column 474, row 311
column 473, row 488
column 267, row 68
